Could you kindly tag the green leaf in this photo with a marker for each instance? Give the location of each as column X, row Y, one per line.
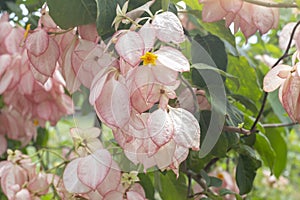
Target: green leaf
column 248, row 103
column 214, row 181
column 165, row 4
column 172, row 187
column 220, row 148
column 203, row 66
column 106, row 12
column 147, row 184
column 280, row 147
column 71, row 13
column 225, row 191
column 205, row 176
column 42, row 137
column 216, row 49
column 193, row 4
column 265, row 150
column 246, row 169
column 15, row 8
column 239, row 67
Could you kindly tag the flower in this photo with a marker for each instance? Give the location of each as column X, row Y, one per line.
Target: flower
column 288, row 79
column 246, row 16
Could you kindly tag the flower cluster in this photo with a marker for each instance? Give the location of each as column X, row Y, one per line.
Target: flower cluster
column 143, row 79
column 245, row 16
column 28, row 101
column 287, row 78
column 131, row 79
column 20, row 179
column 95, row 175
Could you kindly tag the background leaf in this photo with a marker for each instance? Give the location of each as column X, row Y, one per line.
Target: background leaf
column 265, row 150
column 71, row 13
column 172, row 187
column 246, row 169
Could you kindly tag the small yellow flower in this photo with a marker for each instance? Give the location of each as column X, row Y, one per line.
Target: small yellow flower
column 149, row 58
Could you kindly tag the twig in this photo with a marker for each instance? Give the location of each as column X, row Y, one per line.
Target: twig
column 211, row 163
column 279, row 125
column 272, row 4
column 286, row 53
column 233, row 129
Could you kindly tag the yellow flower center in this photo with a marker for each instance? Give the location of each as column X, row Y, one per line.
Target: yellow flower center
column 35, row 122
column 220, row 176
column 149, row 58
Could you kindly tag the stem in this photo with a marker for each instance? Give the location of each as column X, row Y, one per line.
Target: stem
column 60, row 32
column 280, row 125
column 272, row 4
column 286, row 54
column 233, row 129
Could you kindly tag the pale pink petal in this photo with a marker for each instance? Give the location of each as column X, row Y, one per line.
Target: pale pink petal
column 290, row 97
column 44, row 110
column 94, row 195
column 139, row 189
column 160, row 127
column 263, row 18
column 71, row 180
column 23, row 195
column 130, row 46
column 93, row 132
column 164, row 155
column 26, row 83
column 120, row 102
column 285, row 35
column 37, row 42
column 113, row 99
column 5, row 81
column 13, row 40
column 212, row 11
column 46, row 62
column 93, row 169
column 5, row 61
column 180, row 155
column 186, row 100
column 72, row 83
column 12, row 176
column 132, row 195
column 47, row 21
column 173, row 59
column 88, row 32
column 5, row 28
column 168, row 27
column 165, row 75
column 231, row 5
column 98, row 84
column 3, row 146
column 94, row 61
column 148, row 33
column 39, row 184
column 114, row 195
column 38, row 76
column 111, row 181
column 276, row 15
column 186, row 128
column 272, row 81
column 137, row 12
